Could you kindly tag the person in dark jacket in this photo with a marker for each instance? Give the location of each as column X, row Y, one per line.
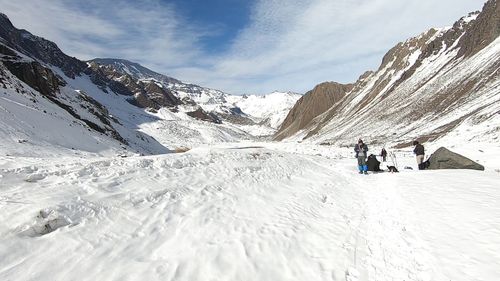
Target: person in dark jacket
column 383, row 154
column 420, row 154
column 373, row 164
column 361, row 154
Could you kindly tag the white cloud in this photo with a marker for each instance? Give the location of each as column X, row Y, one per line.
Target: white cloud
column 295, row 41
column 287, row 45
column 147, row 31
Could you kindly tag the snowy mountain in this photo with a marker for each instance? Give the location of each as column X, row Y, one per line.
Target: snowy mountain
column 257, row 114
column 270, row 109
column 114, row 106
column 443, row 82
column 126, row 71
column 133, row 69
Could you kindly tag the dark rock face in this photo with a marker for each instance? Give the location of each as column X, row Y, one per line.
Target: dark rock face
column 160, row 96
column 484, row 30
column 446, row 159
column 204, row 116
column 235, row 118
column 36, row 76
column 311, row 105
column 7, row 52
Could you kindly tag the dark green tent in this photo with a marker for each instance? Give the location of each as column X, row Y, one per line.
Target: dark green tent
column 446, row 159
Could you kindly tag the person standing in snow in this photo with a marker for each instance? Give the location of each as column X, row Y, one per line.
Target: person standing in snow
column 361, row 150
column 383, row 154
column 420, row 154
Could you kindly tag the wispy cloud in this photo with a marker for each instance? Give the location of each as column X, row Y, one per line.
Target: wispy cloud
column 148, row 31
column 287, row 45
column 297, row 43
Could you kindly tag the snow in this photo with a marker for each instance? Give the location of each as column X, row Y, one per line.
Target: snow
column 412, row 59
column 271, row 108
column 471, row 17
column 245, row 211
column 32, row 125
column 178, row 130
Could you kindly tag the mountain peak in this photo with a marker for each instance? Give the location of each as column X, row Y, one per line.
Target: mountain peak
column 4, row 17
column 136, row 70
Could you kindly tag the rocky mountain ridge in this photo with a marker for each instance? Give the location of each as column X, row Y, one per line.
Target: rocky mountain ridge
column 442, row 81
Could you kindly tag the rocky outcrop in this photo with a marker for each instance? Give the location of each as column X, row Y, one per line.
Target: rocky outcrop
column 311, row 105
column 36, row 76
column 201, row 114
column 159, row 95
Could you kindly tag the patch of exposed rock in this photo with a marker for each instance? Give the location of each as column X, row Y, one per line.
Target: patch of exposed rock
column 201, row 114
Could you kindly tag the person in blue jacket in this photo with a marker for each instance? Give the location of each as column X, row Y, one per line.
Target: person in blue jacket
column 361, row 154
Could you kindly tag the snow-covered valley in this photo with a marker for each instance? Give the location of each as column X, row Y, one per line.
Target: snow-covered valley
column 112, row 171
column 245, row 211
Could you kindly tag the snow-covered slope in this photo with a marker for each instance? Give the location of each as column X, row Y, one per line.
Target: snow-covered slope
column 270, row 109
column 442, row 81
column 240, row 213
column 57, row 118
column 32, row 125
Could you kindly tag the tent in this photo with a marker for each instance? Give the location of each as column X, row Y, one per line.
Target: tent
column 446, row 159
column 373, row 163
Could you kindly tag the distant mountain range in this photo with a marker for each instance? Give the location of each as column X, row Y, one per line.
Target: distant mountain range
column 444, row 81
column 51, row 99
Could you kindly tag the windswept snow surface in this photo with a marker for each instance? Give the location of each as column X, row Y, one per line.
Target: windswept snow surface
column 235, row 212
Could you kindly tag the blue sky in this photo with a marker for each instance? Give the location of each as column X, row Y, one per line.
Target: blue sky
column 254, row 46
column 226, row 17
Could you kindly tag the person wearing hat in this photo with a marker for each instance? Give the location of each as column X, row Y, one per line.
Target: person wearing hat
column 420, row 154
column 361, row 150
